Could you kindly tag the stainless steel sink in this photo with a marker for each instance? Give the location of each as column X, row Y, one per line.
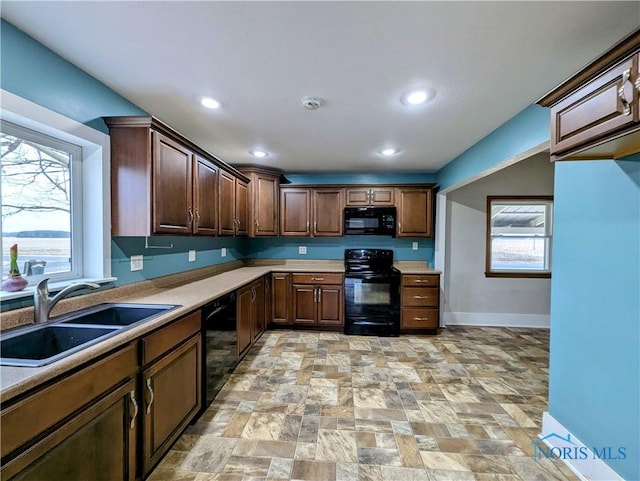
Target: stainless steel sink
column 120, row 315
column 42, row 344
column 37, row 347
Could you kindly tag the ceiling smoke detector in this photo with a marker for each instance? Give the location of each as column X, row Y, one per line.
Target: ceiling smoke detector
column 311, row 103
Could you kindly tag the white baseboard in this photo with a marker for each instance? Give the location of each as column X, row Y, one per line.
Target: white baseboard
column 497, row 319
column 590, row 469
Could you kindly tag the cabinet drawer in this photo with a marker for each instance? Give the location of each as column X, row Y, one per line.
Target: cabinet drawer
column 421, row 280
column 163, row 340
column 413, row 318
column 319, row 278
column 28, row 418
column 420, row 297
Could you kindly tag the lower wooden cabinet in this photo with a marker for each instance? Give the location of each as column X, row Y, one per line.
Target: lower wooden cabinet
column 112, row 419
column 318, row 299
column 171, row 393
column 420, row 303
column 281, row 298
column 250, row 314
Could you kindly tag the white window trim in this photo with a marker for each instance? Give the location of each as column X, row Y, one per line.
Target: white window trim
column 96, row 200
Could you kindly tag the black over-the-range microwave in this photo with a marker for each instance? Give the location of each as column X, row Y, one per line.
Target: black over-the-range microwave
column 370, row 221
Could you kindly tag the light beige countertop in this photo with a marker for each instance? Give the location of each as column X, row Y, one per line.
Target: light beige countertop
column 415, row 267
column 189, row 295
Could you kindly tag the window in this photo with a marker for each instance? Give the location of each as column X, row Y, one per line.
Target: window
column 519, row 231
column 41, row 203
column 54, row 196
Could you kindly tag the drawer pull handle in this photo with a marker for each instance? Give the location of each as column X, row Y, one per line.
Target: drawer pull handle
column 134, row 403
column 150, row 389
column 420, row 318
column 626, row 104
column 317, row 278
column 421, row 281
column 421, row 297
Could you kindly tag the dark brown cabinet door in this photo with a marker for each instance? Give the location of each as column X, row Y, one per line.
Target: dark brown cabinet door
column 99, row 444
column 172, row 187
column 244, row 319
column 257, row 309
column 295, row 215
column 595, row 110
column 281, row 287
column 266, row 206
column 327, row 212
column 304, row 304
column 226, row 208
column 369, row 196
column 242, row 213
column 171, row 392
column 415, row 214
column 268, row 301
column 206, row 200
column 330, row 304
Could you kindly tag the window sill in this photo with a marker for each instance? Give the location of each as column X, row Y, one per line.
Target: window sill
column 523, row 275
column 53, row 287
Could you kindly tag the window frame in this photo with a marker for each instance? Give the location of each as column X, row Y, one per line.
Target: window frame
column 519, row 273
column 75, row 153
column 95, row 179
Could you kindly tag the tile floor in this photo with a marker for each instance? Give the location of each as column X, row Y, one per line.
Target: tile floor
column 464, row 405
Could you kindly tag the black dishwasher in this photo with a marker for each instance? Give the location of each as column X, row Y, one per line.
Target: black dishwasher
column 219, row 345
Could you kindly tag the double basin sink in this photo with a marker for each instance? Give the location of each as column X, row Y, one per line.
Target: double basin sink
column 42, row 344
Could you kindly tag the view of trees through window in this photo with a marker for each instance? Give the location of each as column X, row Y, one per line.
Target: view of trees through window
column 36, row 201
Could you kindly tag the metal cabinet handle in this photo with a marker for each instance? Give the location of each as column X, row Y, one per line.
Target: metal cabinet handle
column 307, row 226
column 420, row 281
column 317, row 278
column 638, row 84
column 421, row 297
column 420, row 318
column 190, row 217
column 626, row 104
column 150, row 389
column 134, row 403
column 315, row 227
column 315, row 295
column 197, row 217
column 319, row 295
column 254, row 294
column 257, row 223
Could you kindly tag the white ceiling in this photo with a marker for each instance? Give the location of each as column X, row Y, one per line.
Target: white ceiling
column 485, row 60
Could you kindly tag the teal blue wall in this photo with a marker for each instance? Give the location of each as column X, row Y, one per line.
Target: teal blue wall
column 33, row 72
column 594, row 385
column 527, row 129
column 360, row 178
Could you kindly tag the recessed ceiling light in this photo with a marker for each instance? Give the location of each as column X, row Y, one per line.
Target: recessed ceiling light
column 259, row 154
column 389, row 152
column 416, row 97
column 211, row 103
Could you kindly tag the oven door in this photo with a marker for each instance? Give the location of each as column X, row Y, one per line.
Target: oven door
column 372, row 304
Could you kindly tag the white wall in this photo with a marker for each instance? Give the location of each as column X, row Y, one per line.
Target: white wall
column 469, row 296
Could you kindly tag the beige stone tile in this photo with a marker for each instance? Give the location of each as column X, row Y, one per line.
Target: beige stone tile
column 518, row 415
column 313, row 471
column 263, row 426
column 390, row 473
column 305, row 451
column 370, row 473
column 275, row 449
column 409, row 452
column 336, row 445
column 444, row 461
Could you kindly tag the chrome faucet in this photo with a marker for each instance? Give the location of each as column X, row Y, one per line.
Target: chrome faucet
column 43, row 304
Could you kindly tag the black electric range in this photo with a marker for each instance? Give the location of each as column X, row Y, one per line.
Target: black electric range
column 372, row 292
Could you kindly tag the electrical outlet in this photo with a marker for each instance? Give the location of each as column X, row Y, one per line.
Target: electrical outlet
column 415, row 246
column 223, row 252
column 302, row 249
column 136, row 263
column 192, row 255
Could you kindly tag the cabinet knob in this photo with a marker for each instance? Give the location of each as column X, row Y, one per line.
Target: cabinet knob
column 626, row 104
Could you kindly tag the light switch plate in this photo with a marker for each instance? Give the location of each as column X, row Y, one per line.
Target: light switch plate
column 136, row 263
column 192, row 255
column 415, row 246
column 223, row 252
column 302, row 249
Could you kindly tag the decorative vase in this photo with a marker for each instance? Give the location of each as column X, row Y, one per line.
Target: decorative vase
column 15, row 282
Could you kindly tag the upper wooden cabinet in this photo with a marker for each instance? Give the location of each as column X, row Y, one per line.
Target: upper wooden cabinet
column 415, row 212
column 311, row 212
column 264, row 212
column 596, row 113
column 233, row 205
column 362, row 196
column 162, row 183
